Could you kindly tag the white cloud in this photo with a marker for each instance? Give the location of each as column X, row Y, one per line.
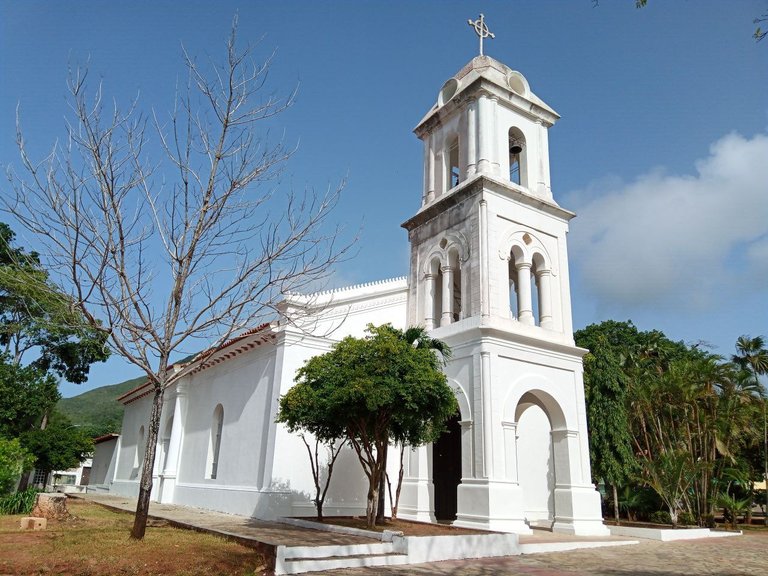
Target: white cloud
column 678, row 239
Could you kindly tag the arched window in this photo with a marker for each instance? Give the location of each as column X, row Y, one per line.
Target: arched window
column 214, row 446
column 517, row 154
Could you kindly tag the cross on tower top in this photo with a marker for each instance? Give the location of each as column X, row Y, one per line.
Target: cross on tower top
column 481, row 29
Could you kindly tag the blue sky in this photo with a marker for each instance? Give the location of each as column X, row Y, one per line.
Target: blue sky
column 662, row 148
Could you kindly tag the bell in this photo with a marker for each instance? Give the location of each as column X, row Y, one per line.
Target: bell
column 515, row 147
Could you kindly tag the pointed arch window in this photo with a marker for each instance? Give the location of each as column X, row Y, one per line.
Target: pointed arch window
column 214, row 446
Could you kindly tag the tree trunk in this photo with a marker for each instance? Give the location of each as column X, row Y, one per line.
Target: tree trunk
column 673, row 515
column 616, row 505
column 145, row 485
column 373, row 502
column 319, row 507
column 396, row 503
column 382, row 486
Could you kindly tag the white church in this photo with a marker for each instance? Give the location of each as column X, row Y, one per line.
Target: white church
column 489, row 276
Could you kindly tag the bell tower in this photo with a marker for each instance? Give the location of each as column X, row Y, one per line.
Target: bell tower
column 489, row 275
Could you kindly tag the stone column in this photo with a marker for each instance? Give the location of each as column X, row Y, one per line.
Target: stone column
column 544, row 279
column 524, row 306
column 447, row 315
column 494, row 136
column 429, row 301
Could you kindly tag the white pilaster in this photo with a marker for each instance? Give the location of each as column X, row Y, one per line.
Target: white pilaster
column 471, row 137
column 485, row 383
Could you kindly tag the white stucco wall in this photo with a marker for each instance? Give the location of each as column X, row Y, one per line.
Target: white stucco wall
column 104, row 462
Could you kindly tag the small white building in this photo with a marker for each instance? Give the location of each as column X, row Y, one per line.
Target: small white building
column 489, row 275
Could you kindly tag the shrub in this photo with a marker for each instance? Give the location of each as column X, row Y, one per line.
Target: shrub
column 661, row 517
column 686, row 519
column 18, row 502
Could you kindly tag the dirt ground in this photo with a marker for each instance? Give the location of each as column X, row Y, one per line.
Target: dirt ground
column 407, row 527
column 94, row 541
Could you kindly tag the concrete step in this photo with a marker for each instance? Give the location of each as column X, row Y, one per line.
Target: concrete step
column 294, row 552
column 301, row 559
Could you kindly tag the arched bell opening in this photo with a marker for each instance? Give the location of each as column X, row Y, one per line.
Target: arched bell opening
column 517, row 157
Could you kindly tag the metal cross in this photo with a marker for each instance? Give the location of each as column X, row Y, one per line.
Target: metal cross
column 481, row 29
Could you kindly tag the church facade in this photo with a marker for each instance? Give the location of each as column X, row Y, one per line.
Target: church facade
column 489, row 276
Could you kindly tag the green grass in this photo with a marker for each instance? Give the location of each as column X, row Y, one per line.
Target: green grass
column 94, row 542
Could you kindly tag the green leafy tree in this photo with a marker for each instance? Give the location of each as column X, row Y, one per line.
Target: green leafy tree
column 372, row 391
column 26, row 395
column 605, row 388
column 37, row 318
column 58, row 446
column 14, row 460
column 416, row 336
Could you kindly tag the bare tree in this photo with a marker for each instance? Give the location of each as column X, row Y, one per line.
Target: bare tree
column 170, row 232
column 322, row 477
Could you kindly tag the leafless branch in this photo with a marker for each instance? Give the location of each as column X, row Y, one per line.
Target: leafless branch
column 169, row 231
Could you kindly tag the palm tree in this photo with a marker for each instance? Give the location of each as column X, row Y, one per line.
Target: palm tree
column 752, row 356
column 418, row 337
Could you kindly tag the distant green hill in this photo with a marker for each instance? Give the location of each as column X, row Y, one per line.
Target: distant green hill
column 98, row 409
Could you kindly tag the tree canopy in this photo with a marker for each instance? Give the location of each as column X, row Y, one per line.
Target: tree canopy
column 373, row 391
column 36, row 318
column 689, row 416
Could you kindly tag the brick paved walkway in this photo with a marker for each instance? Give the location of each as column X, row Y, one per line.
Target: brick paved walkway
column 738, row 556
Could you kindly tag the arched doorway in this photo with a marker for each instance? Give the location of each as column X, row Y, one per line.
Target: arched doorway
column 536, row 463
column 446, row 469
